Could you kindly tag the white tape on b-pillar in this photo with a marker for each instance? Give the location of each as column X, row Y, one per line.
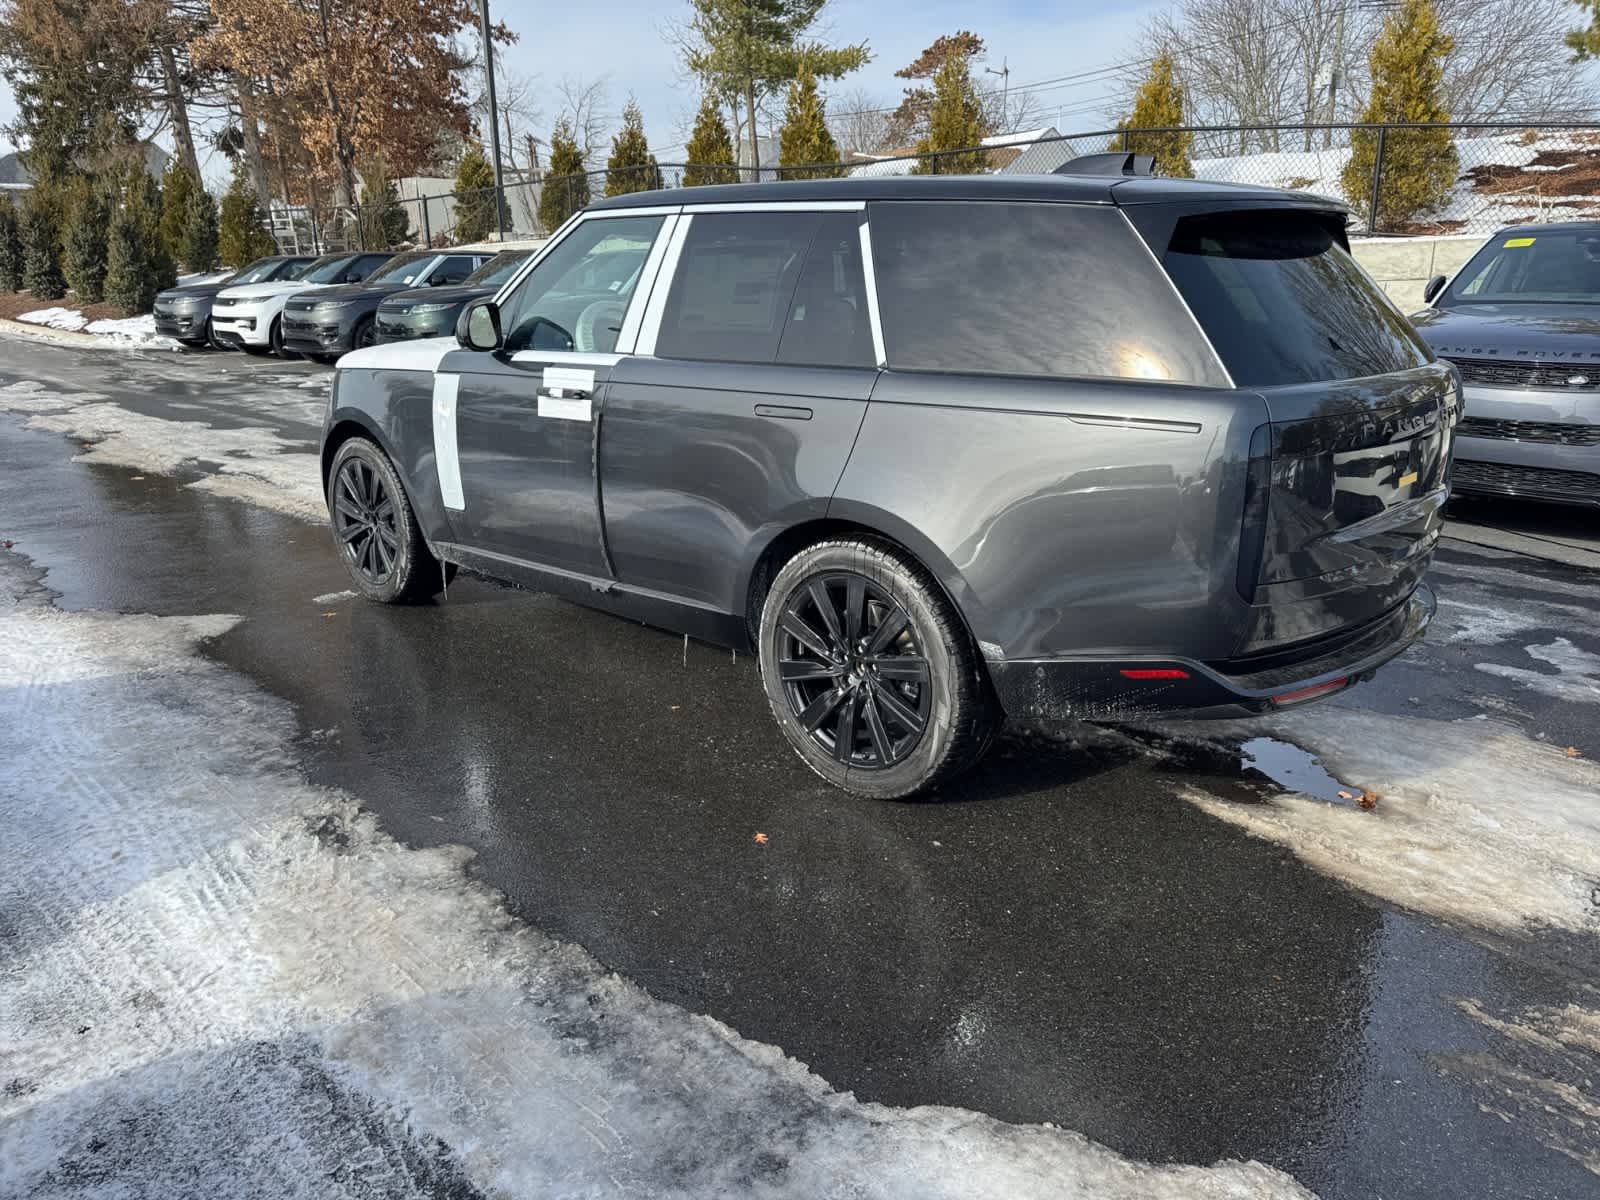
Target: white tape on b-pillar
column 446, row 458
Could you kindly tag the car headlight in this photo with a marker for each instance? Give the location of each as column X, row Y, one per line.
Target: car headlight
column 329, row 305
column 418, row 310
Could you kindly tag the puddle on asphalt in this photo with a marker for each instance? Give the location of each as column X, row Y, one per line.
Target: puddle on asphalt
column 1249, row 772
column 1293, row 768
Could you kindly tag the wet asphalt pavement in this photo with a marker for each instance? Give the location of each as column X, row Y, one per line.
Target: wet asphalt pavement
column 1057, row 937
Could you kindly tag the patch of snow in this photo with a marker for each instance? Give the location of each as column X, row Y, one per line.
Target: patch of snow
column 255, row 464
column 1576, row 678
column 55, row 318
column 332, row 597
column 200, row 277
column 1476, row 822
column 229, row 982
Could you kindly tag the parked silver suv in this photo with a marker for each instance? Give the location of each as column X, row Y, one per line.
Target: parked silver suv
column 939, row 449
column 1521, row 321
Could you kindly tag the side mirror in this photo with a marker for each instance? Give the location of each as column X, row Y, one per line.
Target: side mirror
column 478, row 326
column 1433, row 287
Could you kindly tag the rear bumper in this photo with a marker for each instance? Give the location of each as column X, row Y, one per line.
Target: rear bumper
column 1098, row 689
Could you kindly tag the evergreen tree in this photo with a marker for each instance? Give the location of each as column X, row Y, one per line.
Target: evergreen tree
column 805, row 141
column 384, row 221
column 1158, row 104
column 41, row 259
column 85, row 259
column 177, row 186
column 955, row 122
column 1419, row 165
column 197, row 245
column 242, row 235
column 566, row 187
column 131, row 283
column 475, row 208
column 142, row 199
column 1585, row 42
column 10, row 247
column 710, row 148
column 631, row 167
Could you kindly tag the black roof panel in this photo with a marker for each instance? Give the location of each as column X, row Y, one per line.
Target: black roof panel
column 1078, row 189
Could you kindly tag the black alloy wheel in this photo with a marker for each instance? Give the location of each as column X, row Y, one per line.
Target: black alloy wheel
column 376, row 531
column 854, row 676
column 364, row 520
column 366, row 334
column 870, row 671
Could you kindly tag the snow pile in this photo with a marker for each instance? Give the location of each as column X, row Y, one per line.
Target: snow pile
column 255, row 464
column 1476, row 822
column 221, row 981
column 55, row 318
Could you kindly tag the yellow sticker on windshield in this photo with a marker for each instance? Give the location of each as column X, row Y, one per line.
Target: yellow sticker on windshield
column 1512, row 243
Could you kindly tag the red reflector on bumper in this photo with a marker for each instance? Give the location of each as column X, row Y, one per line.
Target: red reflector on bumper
column 1308, row 693
column 1154, row 673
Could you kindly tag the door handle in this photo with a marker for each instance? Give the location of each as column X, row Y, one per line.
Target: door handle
column 787, row 412
column 557, row 393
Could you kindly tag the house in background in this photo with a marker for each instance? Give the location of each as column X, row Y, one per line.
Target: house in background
column 14, row 177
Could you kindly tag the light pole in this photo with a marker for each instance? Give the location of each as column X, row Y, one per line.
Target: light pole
column 494, row 121
column 1005, row 89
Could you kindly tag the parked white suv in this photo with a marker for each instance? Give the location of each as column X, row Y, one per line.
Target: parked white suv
column 250, row 318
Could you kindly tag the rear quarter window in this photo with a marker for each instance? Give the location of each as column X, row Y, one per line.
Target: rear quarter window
column 1284, row 303
column 1018, row 288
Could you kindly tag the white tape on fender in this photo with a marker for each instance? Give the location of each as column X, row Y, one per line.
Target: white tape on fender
column 446, row 456
column 565, row 393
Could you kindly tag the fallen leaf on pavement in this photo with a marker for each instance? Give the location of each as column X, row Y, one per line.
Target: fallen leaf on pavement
column 1367, row 801
column 330, row 614
column 7, row 544
column 1344, row 795
column 761, row 839
column 135, row 476
column 676, row 707
column 1572, row 751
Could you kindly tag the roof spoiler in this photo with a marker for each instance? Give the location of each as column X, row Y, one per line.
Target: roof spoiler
column 1117, row 163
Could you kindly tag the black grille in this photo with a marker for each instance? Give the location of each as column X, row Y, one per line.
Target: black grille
column 1572, row 487
column 292, row 326
column 1508, row 373
column 395, row 329
column 1557, row 432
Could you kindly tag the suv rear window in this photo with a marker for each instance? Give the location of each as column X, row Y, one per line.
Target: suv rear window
column 1018, row 288
column 1283, row 302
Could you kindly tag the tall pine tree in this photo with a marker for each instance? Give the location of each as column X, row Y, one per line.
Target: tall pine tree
column 384, row 221
column 10, row 247
column 197, row 248
column 1585, row 42
column 84, row 262
column 565, row 188
column 475, row 209
column 130, row 275
column 242, row 235
column 1419, row 166
column 710, row 148
column 1158, row 104
column 631, row 167
column 806, row 149
column 41, row 257
column 955, row 123
column 142, row 199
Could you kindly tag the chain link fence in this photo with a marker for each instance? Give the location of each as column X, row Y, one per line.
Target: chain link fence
column 1399, row 179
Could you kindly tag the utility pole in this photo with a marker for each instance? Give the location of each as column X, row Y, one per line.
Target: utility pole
column 494, row 121
column 1005, row 90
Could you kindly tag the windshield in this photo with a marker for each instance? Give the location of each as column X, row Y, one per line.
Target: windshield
column 327, row 268
column 257, row 272
column 402, row 268
column 1283, row 302
column 499, row 268
column 1531, row 267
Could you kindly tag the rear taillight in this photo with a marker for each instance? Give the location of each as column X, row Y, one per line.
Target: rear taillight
column 1154, row 673
column 1301, row 695
column 1253, row 529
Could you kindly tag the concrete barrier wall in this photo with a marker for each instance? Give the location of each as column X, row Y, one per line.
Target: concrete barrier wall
column 1404, row 265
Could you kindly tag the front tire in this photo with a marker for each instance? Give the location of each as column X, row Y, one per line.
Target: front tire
column 869, row 671
column 375, row 530
column 275, row 337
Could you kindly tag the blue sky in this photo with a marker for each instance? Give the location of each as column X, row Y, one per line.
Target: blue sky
column 625, row 41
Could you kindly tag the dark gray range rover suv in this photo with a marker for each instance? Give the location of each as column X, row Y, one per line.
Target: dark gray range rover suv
column 940, row 449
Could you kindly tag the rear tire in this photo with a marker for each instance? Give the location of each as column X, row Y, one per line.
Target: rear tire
column 253, row 349
column 881, row 692
column 375, row 530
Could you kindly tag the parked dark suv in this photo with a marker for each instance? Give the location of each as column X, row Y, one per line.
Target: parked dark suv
column 940, row 449
column 184, row 313
column 432, row 311
column 324, row 324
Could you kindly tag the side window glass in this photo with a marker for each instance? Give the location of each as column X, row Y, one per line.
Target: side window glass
column 566, row 303
column 735, row 282
column 828, row 323
column 452, row 270
column 1018, row 288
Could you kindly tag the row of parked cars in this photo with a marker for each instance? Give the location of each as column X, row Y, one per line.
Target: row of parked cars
column 321, row 307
